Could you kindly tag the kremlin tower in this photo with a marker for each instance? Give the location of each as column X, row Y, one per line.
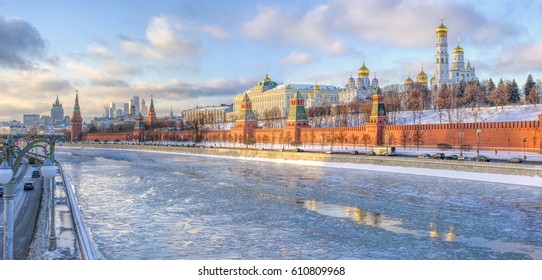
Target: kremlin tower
column 151, row 117
column 76, row 121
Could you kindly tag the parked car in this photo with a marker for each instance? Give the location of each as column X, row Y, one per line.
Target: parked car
column 482, row 158
column 329, row 152
column 515, row 160
column 298, row 150
column 1, row 191
column 426, row 156
column 28, row 186
column 354, row 153
column 438, row 156
column 451, row 157
column 35, row 174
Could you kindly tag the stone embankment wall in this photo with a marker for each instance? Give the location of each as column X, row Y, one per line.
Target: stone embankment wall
column 483, row 167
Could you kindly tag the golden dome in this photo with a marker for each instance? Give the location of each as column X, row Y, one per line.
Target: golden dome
column 266, row 79
column 409, row 81
column 442, row 30
column 363, row 71
column 458, row 49
column 422, row 77
column 316, row 87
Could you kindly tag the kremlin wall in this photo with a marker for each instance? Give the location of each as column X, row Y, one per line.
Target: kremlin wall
column 499, row 136
column 494, row 136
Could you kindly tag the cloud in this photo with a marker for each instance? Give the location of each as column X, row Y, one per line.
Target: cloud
column 519, row 58
column 166, row 38
column 273, row 24
column 296, row 58
column 216, row 31
column 98, row 49
column 22, row 45
column 380, row 22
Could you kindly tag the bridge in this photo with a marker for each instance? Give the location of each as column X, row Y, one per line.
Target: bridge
column 45, row 222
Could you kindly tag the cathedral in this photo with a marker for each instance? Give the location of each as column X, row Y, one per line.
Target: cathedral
column 443, row 73
column 359, row 89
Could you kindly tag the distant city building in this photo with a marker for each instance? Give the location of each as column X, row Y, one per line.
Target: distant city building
column 144, row 109
column 57, row 113
column 359, row 89
column 268, row 95
column 209, row 114
column 31, row 120
column 135, row 103
column 107, row 112
column 126, row 108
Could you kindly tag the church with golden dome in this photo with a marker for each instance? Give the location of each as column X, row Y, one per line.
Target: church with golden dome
column 459, row 72
column 358, row 89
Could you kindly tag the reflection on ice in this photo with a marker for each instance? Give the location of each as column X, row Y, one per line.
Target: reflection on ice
column 137, row 207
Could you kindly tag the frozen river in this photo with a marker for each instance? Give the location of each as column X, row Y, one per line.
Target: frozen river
column 168, row 206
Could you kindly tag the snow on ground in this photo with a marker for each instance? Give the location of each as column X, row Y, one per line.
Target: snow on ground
column 468, row 115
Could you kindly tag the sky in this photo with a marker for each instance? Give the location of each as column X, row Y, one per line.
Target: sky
column 188, row 53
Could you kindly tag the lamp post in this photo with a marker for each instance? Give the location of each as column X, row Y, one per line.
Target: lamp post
column 508, row 145
column 6, row 176
column 478, row 131
column 524, row 141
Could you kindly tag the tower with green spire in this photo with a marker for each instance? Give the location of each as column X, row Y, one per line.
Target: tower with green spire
column 246, row 123
column 76, row 121
column 151, row 117
column 297, row 118
column 378, row 119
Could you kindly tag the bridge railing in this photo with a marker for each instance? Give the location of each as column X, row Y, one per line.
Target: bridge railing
column 83, row 239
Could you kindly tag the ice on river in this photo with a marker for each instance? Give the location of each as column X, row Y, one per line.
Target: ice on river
column 171, row 206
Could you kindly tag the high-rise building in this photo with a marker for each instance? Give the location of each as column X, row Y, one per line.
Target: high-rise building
column 57, row 113
column 135, row 102
column 144, row 109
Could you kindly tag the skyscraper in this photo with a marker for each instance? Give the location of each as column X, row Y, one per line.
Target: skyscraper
column 57, row 113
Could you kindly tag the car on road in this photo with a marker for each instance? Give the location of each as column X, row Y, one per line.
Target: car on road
column 438, row 156
column 426, row 156
column 515, row 160
column 451, row 157
column 35, row 174
column 1, row 191
column 28, row 186
column 482, row 158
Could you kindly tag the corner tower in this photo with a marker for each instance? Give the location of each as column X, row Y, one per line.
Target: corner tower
column 76, row 121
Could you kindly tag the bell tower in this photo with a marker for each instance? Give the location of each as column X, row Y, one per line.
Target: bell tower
column 297, row 117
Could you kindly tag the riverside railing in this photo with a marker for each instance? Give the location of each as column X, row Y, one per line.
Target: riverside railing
column 83, row 239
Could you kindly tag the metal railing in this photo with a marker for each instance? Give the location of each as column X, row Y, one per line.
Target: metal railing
column 83, row 239
column 84, row 242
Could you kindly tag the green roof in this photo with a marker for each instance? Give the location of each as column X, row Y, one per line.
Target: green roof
column 297, row 112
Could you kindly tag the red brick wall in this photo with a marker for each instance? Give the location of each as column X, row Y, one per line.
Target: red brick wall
column 499, row 136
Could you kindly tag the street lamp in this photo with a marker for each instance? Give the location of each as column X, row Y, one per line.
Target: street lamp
column 478, row 131
column 524, row 141
column 6, row 174
column 461, row 142
column 48, row 171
